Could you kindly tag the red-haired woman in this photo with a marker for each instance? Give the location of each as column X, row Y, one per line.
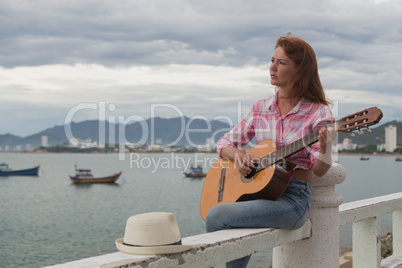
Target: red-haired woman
column 297, row 108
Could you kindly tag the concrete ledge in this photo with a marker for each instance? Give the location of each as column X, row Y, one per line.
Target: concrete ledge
column 392, row 262
column 369, row 208
column 210, row 250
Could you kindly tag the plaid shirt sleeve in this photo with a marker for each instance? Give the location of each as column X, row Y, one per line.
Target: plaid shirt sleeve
column 240, row 135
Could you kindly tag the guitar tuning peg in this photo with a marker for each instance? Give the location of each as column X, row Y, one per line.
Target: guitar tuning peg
column 351, row 133
column 368, row 129
column 360, row 131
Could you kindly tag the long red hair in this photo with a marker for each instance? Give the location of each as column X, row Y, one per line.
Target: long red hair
column 305, row 81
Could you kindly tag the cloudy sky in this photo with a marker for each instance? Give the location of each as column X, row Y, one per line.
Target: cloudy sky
column 127, row 60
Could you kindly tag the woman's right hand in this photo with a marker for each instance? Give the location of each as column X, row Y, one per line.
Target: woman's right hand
column 242, row 160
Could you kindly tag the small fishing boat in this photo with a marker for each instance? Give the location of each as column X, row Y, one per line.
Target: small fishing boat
column 6, row 171
column 85, row 176
column 398, row 159
column 364, row 158
column 195, row 172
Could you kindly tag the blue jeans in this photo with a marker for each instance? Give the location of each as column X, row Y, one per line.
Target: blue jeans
column 290, row 212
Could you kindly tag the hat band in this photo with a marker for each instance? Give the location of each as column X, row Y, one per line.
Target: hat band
column 172, row 244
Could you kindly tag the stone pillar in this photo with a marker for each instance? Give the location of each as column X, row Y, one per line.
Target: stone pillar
column 322, row 248
column 366, row 243
column 397, row 232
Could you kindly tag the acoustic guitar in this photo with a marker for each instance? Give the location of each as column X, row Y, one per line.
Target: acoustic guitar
column 268, row 180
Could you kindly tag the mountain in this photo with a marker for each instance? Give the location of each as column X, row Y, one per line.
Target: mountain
column 10, row 139
column 174, row 131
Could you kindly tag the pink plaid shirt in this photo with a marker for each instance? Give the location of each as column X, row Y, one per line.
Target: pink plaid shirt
column 264, row 122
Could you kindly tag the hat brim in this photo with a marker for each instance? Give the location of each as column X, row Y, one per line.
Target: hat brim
column 151, row 250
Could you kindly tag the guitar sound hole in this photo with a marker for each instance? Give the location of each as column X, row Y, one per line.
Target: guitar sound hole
column 253, row 171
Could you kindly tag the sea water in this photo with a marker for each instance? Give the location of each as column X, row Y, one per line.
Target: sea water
column 47, row 219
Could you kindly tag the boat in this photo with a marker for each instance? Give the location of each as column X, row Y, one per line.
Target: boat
column 6, row 171
column 195, row 172
column 85, row 176
column 364, row 158
column 398, row 159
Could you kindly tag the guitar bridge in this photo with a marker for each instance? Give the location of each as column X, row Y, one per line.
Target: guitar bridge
column 221, row 184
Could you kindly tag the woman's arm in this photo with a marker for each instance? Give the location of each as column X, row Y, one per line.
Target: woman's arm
column 241, row 134
column 324, row 160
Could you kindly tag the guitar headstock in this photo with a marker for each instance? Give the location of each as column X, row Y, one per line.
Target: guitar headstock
column 359, row 120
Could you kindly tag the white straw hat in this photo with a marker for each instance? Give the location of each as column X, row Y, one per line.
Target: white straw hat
column 152, row 233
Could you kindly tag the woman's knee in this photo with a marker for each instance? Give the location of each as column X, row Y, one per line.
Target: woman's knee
column 213, row 221
column 298, row 224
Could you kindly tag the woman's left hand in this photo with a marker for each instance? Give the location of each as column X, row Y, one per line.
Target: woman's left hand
column 326, row 137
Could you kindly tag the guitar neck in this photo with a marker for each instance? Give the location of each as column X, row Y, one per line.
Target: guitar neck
column 347, row 124
column 297, row 146
column 289, row 150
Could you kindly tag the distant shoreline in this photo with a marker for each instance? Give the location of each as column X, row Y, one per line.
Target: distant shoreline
column 94, row 152
column 366, row 154
column 195, row 152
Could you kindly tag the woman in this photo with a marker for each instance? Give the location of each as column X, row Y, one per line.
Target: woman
column 297, row 108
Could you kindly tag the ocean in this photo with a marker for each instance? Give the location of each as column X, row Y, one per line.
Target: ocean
column 48, row 220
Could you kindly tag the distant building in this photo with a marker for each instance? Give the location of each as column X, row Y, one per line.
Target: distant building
column 158, row 142
column 88, row 143
column 28, row 147
column 348, row 145
column 154, row 148
column 390, row 138
column 209, row 146
column 345, row 143
column 44, row 141
column 381, row 147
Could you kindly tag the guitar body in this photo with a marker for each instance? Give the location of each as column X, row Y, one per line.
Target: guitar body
column 225, row 184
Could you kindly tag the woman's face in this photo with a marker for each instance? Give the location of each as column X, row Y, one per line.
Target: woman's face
column 281, row 68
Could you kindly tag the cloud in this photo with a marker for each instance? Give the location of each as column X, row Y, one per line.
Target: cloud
column 194, row 89
column 151, row 32
column 201, row 56
column 184, row 32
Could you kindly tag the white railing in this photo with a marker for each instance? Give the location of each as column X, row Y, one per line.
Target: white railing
column 365, row 215
column 316, row 244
